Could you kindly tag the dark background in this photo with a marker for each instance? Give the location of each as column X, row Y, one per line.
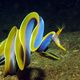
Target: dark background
column 54, row 12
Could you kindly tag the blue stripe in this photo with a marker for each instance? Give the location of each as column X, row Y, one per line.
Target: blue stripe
column 45, row 43
column 28, row 33
column 40, row 33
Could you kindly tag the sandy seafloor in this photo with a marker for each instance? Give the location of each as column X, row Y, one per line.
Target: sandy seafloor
column 46, row 68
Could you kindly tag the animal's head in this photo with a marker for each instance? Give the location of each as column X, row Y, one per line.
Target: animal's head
column 56, row 39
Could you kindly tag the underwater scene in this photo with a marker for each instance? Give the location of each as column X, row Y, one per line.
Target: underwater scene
column 40, row 40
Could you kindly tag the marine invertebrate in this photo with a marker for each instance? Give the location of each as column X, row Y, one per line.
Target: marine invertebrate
column 19, row 44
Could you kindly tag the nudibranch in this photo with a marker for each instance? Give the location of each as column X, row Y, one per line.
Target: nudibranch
column 16, row 49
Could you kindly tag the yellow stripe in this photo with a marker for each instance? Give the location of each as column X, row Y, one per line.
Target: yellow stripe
column 7, row 48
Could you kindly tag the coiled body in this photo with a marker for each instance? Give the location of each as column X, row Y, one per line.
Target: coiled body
column 17, row 47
